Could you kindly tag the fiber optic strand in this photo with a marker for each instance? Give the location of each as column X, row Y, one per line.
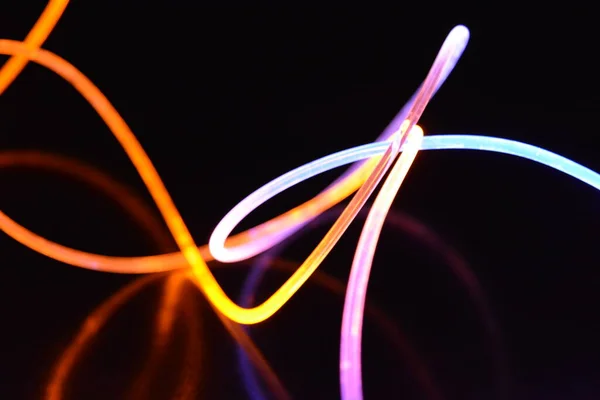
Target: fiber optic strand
column 423, row 235
column 93, row 177
column 259, row 238
column 143, row 216
column 135, row 264
column 352, row 319
column 180, row 231
column 445, row 61
column 416, row 230
column 161, row 263
column 251, row 242
column 386, row 325
column 451, row 50
column 145, row 219
column 140, row 214
column 350, row 348
column 34, row 40
column 432, row 142
column 204, row 278
column 266, row 234
column 438, row 142
column 10, row 71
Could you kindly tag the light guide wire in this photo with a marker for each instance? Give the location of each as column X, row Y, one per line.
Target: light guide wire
column 356, row 291
column 149, row 175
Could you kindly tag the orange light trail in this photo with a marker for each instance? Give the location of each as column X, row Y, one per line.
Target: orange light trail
column 389, row 164
column 195, row 257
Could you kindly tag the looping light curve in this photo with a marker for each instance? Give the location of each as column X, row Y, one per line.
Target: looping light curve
column 390, row 157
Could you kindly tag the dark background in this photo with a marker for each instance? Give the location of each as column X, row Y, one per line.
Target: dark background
column 225, row 99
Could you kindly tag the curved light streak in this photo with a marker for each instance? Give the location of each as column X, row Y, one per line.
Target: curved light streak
column 393, row 154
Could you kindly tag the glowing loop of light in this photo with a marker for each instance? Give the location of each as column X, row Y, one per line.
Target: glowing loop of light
column 383, row 157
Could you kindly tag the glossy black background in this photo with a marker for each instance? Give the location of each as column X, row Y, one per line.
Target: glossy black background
column 226, row 98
